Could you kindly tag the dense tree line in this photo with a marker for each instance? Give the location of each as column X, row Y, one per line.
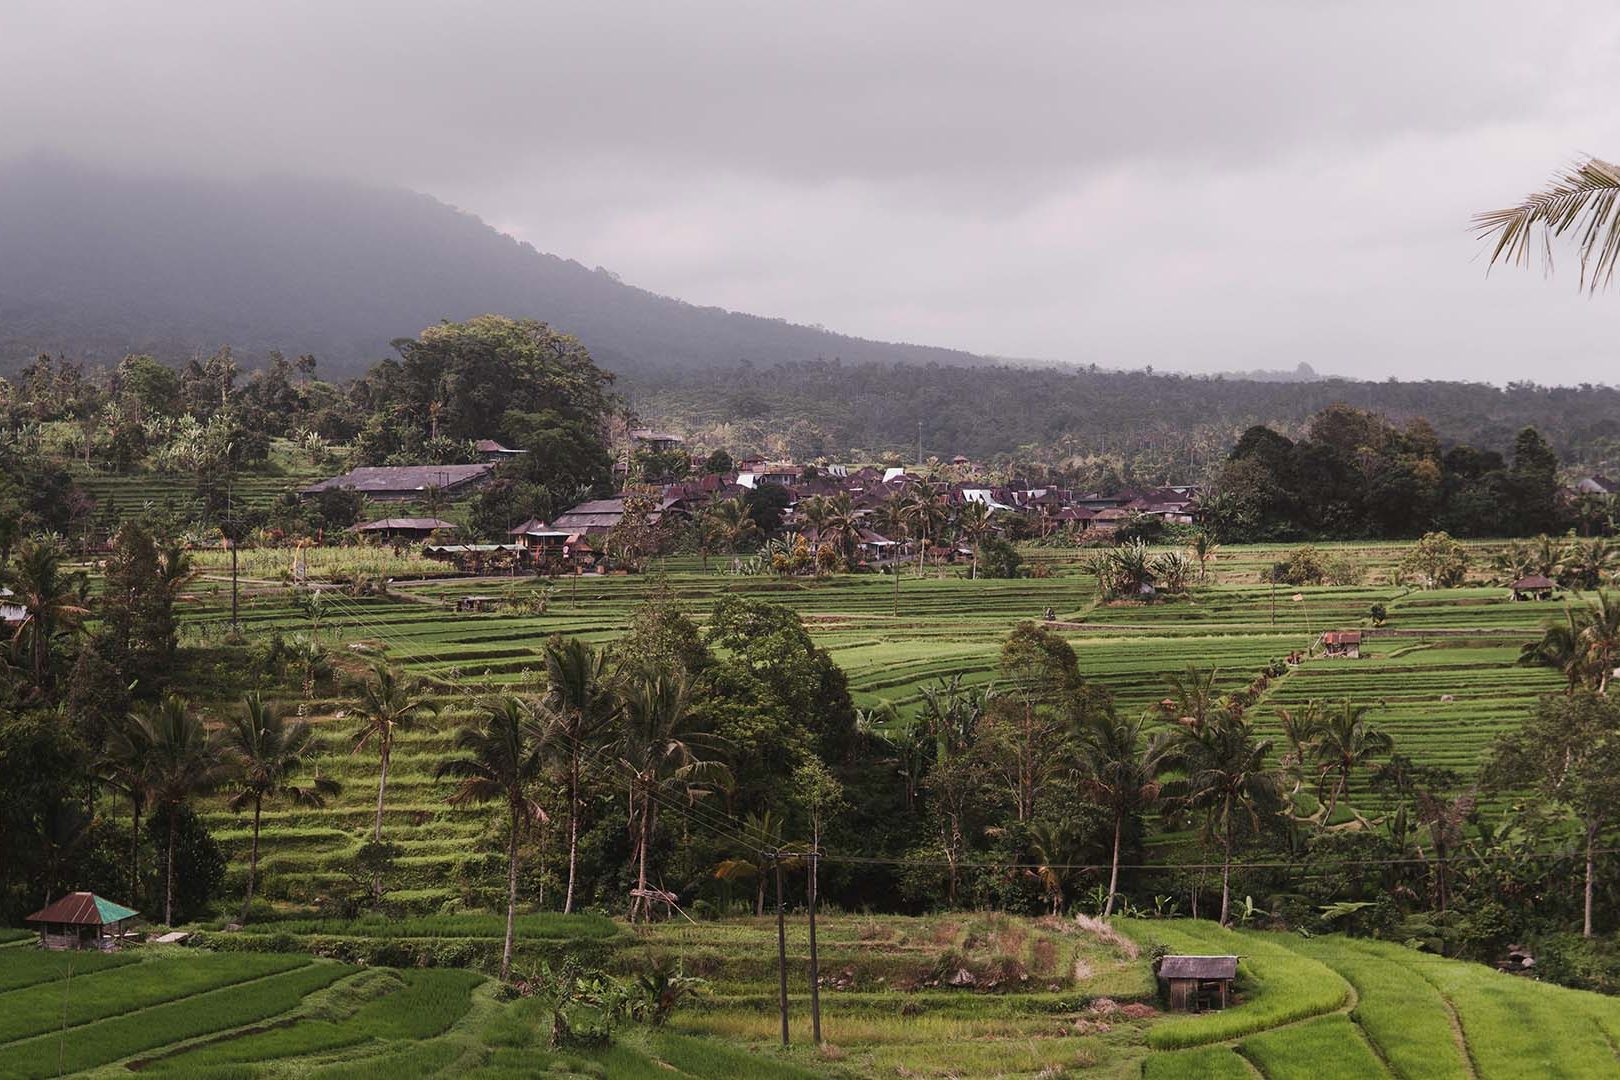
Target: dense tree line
column 1354, row 474
column 1094, row 426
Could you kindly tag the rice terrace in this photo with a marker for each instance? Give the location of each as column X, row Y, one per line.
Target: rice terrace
column 298, row 990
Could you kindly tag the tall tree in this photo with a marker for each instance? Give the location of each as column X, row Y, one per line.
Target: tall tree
column 267, row 756
column 975, row 522
column 55, row 599
column 127, row 766
column 1228, row 780
column 662, row 755
column 1346, row 742
column 1119, row 769
column 1569, row 750
column 185, row 762
column 581, row 706
column 501, row 756
column 390, row 702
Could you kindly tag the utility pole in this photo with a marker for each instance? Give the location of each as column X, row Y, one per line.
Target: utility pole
column 781, row 945
column 919, row 446
column 815, row 971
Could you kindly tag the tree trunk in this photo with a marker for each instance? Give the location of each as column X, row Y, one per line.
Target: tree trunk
column 759, row 894
column 168, row 875
column 573, row 826
column 511, row 895
column 253, row 857
column 1226, row 874
column 135, row 851
column 641, row 856
column 1113, row 873
column 1591, row 874
column 376, row 829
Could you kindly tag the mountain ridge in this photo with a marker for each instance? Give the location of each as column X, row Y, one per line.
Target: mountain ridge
column 98, row 264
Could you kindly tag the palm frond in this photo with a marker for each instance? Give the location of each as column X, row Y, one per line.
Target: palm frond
column 1584, row 200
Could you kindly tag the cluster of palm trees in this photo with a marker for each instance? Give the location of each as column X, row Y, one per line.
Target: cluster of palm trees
column 1576, row 564
column 1207, row 767
column 1584, row 644
column 163, row 756
column 633, row 722
column 921, row 513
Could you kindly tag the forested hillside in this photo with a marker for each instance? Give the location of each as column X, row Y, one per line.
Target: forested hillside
column 1149, row 427
column 96, row 266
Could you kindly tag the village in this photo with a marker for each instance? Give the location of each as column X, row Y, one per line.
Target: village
column 866, row 517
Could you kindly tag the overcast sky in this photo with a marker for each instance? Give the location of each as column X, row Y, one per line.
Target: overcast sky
column 1200, row 186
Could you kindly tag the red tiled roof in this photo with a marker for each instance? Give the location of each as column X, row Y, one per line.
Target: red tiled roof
column 82, row 909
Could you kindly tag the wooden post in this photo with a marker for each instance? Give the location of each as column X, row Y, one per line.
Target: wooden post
column 815, row 971
column 781, row 945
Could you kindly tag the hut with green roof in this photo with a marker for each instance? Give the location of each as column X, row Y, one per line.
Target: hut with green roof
column 81, row 920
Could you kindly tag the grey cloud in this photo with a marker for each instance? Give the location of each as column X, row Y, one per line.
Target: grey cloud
column 1190, row 185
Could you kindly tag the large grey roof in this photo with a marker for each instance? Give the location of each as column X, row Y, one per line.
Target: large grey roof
column 375, row 478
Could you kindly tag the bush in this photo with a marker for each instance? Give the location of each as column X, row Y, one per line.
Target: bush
column 999, row 559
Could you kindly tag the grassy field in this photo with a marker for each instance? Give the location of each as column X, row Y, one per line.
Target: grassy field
column 1051, row 998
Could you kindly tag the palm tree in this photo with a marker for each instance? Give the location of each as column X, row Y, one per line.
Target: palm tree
column 840, row 526
column 1600, row 639
column 501, row 758
column 1347, row 742
column 126, row 765
column 952, row 716
column 925, row 508
column 733, row 524
column 185, row 761
column 661, row 752
column 267, row 756
column 1228, row 779
column 1589, row 565
column 1300, row 728
column 764, row 835
column 581, row 706
column 55, row 600
column 1119, row 770
column 975, row 522
column 1203, row 550
column 1584, row 200
column 1194, row 701
column 1559, row 647
column 390, row 702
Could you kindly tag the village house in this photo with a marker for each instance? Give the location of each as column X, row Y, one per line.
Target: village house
column 402, row 483
column 82, row 920
column 548, row 547
column 11, row 612
column 600, row 515
column 659, row 442
column 389, row 530
column 494, row 452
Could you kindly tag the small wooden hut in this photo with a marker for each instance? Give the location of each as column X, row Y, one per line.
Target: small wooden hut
column 1198, row 983
column 1534, row 587
column 1343, row 644
column 82, row 920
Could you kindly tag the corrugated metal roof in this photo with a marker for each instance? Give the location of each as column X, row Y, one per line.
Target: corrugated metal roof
column 83, row 909
column 1198, row 967
column 404, row 523
column 376, row 478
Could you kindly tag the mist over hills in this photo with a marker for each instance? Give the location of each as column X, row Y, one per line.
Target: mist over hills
column 95, row 265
